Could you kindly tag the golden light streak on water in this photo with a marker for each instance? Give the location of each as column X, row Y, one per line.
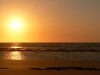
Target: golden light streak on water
column 15, row 55
column 15, row 47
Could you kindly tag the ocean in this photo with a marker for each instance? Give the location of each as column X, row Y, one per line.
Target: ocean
column 50, row 51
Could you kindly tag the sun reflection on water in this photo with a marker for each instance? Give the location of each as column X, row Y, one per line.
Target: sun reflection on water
column 15, row 47
column 15, row 55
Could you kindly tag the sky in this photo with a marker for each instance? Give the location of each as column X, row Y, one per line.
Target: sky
column 49, row 20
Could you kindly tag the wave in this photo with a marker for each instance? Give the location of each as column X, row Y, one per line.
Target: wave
column 51, row 50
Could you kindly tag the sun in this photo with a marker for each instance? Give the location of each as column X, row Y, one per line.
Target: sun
column 16, row 25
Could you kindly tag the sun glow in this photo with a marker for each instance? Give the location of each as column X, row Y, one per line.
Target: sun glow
column 16, row 25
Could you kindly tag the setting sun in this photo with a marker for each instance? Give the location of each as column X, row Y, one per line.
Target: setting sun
column 16, row 25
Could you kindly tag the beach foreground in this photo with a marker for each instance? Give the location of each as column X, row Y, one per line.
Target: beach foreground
column 30, row 72
column 48, row 67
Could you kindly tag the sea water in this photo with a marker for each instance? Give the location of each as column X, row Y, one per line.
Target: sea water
column 50, row 51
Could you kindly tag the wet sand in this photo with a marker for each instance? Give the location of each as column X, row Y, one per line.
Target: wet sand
column 30, row 72
column 49, row 67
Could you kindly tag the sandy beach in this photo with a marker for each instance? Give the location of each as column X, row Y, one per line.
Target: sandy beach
column 49, row 67
column 30, row 72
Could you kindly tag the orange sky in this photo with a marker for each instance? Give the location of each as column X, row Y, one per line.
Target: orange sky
column 50, row 20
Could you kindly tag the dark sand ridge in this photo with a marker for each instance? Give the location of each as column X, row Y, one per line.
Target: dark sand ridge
column 66, row 68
